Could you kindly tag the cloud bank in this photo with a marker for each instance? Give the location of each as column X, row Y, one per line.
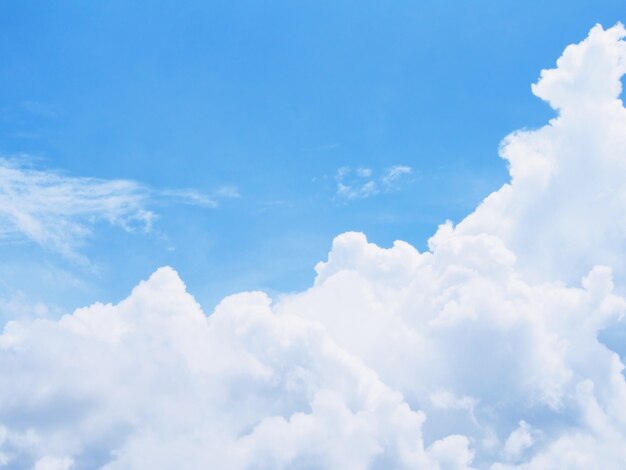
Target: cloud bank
column 481, row 352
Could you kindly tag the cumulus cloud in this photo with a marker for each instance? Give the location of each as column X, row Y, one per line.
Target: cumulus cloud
column 481, row 352
column 563, row 211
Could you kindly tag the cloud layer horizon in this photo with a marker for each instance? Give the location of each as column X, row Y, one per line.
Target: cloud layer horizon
column 481, row 352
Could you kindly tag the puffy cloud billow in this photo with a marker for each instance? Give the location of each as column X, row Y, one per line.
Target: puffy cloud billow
column 481, row 352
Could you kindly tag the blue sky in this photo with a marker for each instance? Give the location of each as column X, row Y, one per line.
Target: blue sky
column 254, row 108
column 272, row 154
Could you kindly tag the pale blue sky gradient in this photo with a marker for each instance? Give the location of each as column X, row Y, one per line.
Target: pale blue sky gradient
column 270, row 98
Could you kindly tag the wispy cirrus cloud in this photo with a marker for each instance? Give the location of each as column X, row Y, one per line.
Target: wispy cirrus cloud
column 58, row 211
column 198, row 198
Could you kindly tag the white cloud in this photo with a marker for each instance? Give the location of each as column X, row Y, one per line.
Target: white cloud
column 564, row 208
column 481, row 352
column 58, row 211
column 227, row 192
column 519, row 440
column 255, row 387
column 54, row 463
column 191, row 196
column 18, row 305
column 394, row 173
column 196, row 198
column 364, row 172
column 360, row 183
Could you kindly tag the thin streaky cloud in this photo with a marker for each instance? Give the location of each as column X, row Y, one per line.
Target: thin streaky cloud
column 394, row 173
column 194, row 197
column 191, row 197
column 58, row 211
column 323, row 148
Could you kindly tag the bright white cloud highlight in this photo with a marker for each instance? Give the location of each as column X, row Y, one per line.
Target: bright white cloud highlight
column 482, row 352
column 563, row 211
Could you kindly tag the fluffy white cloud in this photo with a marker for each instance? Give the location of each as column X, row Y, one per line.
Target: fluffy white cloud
column 563, row 211
column 482, row 352
column 153, row 382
